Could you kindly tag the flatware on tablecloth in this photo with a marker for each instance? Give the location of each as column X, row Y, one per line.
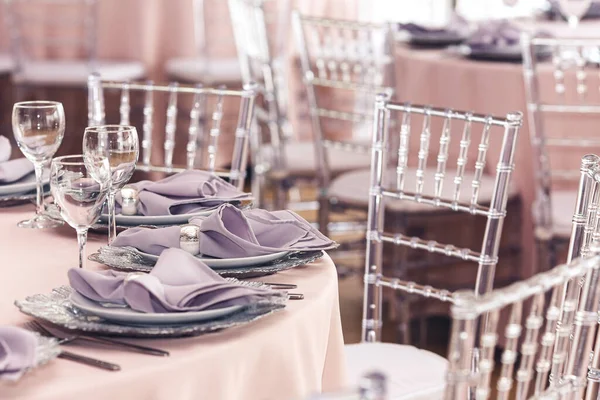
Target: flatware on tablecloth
column 67, row 355
column 71, row 338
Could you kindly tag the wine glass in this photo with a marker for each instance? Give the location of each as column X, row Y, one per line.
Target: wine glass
column 119, row 145
column 574, row 10
column 78, row 195
column 39, row 127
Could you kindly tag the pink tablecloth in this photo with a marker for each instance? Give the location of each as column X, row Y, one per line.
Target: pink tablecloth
column 283, row 356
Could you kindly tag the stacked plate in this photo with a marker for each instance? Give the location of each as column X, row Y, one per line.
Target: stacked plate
column 20, row 191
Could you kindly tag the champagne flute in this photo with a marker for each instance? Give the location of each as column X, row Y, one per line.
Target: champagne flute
column 574, row 10
column 39, row 127
column 78, row 195
column 118, row 144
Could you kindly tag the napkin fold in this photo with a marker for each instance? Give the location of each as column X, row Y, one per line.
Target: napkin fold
column 13, row 170
column 185, row 192
column 178, row 282
column 495, row 34
column 17, row 351
column 230, row 232
column 592, row 12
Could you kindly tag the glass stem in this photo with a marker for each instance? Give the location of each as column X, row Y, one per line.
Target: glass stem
column 39, row 198
column 112, row 221
column 81, row 241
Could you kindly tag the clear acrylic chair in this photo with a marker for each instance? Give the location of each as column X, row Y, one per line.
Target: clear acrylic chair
column 198, row 147
column 561, row 86
column 395, row 186
column 260, row 28
column 216, row 61
column 54, row 43
column 552, row 332
column 344, row 65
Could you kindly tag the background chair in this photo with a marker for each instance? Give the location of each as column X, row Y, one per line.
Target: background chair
column 562, row 122
column 372, row 386
column 344, row 64
column 260, row 29
column 199, row 146
column 216, row 61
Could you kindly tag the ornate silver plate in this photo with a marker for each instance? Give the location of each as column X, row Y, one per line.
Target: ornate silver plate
column 56, row 308
column 128, row 259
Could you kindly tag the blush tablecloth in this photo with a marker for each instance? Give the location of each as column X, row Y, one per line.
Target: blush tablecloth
column 288, row 355
column 445, row 79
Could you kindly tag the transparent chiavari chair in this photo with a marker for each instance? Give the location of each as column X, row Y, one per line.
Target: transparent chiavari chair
column 541, row 320
column 196, row 148
column 372, row 386
column 260, row 28
column 344, row 65
column 397, row 186
column 53, row 43
column 216, row 61
column 561, row 86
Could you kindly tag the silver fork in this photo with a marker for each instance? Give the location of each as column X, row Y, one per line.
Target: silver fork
column 68, row 339
column 67, row 355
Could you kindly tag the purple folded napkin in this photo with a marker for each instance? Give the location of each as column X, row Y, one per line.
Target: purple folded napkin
column 185, row 192
column 592, row 12
column 495, row 34
column 13, row 170
column 178, row 282
column 17, row 351
column 230, row 233
column 457, row 26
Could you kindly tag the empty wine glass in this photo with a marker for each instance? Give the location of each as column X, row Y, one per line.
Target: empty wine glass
column 119, row 145
column 78, row 195
column 39, row 127
column 574, row 10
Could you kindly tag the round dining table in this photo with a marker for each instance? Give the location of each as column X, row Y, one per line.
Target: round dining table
column 286, row 355
column 446, row 78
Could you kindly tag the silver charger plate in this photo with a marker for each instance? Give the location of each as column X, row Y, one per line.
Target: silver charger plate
column 125, row 314
column 24, row 185
column 227, row 263
column 128, row 259
column 56, row 308
column 436, row 39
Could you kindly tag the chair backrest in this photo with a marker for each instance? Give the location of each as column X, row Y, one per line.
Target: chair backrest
column 260, row 28
column 346, row 58
column 384, row 189
column 201, row 144
column 564, row 86
column 52, row 28
column 551, row 366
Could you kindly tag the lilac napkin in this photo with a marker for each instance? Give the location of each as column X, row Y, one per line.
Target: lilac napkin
column 13, row 170
column 185, row 192
column 495, row 34
column 230, row 232
column 178, row 282
column 17, row 351
column 592, row 12
column 457, row 26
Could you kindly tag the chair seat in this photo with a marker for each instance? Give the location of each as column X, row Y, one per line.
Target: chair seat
column 563, row 205
column 411, row 373
column 353, row 188
column 200, row 70
column 301, row 159
column 76, row 72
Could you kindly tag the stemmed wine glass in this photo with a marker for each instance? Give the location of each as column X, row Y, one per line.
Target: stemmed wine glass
column 78, row 194
column 574, row 10
column 118, row 144
column 39, row 127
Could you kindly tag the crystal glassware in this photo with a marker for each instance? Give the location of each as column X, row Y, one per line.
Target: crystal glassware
column 78, row 194
column 39, row 127
column 119, row 145
column 574, row 10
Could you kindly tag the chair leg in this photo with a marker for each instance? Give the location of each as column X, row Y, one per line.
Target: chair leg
column 324, row 209
column 545, row 254
column 423, row 330
column 280, row 195
column 258, row 186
